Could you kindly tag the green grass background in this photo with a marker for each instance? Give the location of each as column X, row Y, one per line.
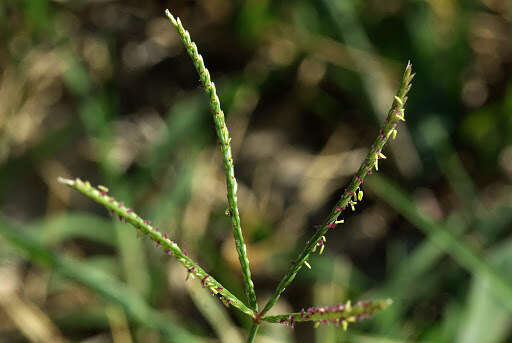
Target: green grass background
column 103, row 90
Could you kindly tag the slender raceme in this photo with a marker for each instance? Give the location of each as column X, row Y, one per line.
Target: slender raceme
column 161, row 240
column 353, row 193
column 340, row 314
column 223, row 135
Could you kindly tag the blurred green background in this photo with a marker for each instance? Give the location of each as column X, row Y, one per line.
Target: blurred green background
column 103, row 90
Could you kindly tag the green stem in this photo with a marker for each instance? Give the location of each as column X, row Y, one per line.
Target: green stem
column 171, row 248
column 253, row 332
column 351, row 193
column 223, row 135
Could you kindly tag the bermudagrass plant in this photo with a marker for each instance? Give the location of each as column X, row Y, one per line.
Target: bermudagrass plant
column 340, row 314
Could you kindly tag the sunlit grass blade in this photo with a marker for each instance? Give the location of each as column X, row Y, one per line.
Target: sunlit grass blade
column 111, row 289
column 453, row 246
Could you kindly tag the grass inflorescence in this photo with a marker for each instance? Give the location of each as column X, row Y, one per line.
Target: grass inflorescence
column 340, row 314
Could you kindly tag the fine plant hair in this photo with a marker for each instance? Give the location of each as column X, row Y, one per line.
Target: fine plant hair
column 340, row 314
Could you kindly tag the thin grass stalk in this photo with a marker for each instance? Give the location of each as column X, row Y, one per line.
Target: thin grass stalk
column 223, row 135
column 353, row 193
column 161, row 240
column 253, row 332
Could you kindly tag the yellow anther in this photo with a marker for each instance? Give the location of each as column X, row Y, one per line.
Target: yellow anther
column 401, row 115
column 393, row 133
column 399, row 100
column 345, row 325
column 316, row 325
column 307, row 264
column 103, row 188
column 360, row 195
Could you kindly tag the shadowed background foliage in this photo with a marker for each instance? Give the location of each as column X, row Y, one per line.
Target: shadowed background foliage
column 103, row 90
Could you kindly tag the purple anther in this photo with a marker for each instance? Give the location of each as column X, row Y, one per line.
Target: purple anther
column 165, row 235
column 293, row 262
column 203, row 281
column 168, row 252
column 338, row 208
column 147, row 222
column 103, row 193
column 220, row 289
column 157, row 243
column 365, row 303
column 331, row 225
column 320, row 242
